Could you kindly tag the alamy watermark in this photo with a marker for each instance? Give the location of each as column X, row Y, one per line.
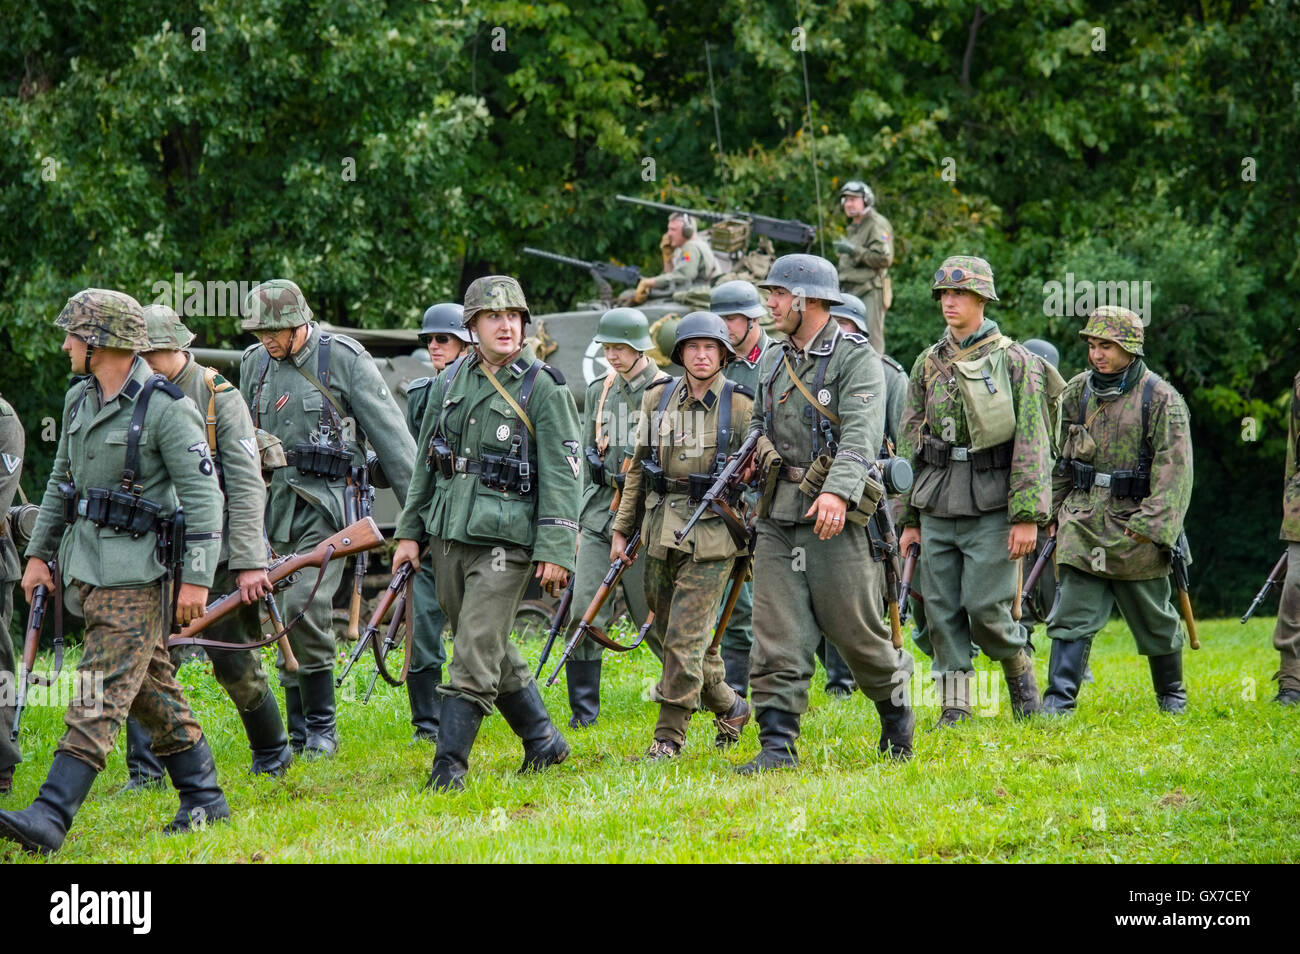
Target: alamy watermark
column 1078, row 299
column 190, row 298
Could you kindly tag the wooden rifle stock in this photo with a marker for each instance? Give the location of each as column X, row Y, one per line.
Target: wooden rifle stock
column 31, row 644
column 371, row 634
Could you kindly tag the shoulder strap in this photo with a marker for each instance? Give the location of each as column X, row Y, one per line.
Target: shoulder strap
column 602, row 442
column 768, row 401
column 321, row 382
column 724, row 424
column 530, row 376
column 132, row 465
column 1083, row 401
column 820, row 408
column 670, row 387
column 210, row 379
column 1147, row 454
column 447, row 377
column 257, row 395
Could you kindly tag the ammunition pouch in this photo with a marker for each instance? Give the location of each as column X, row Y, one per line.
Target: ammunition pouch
column 619, row 478
column 1122, row 484
column 68, row 491
column 654, row 477
column 440, row 455
column 697, row 485
column 939, row 453
column 595, row 466
column 118, row 510
column 505, row 472
column 1130, row 484
column 320, row 460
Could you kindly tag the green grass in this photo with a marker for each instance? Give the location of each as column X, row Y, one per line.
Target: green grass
column 1116, row 782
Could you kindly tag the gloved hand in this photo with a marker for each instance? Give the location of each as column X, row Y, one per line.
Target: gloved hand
column 642, row 290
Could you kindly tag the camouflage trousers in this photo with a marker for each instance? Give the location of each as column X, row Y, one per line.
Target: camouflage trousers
column 804, row 587
column 239, row 671
column 313, row 638
column 593, row 564
column 125, row 644
column 1286, row 634
column 968, row 584
column 427, row 650
column 10, row 754
column 1086, row 602
column 480, row 588
column 684, row 596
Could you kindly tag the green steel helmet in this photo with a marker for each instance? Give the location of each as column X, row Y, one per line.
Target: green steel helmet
column 808, row 276
column 965, row 273
column 275, row 305
column 853, row 309
column 105, row 319
column 1113, row 323
column 736, row 298
column 703, row 324
column 1045, row 350
column 494, row 293
column 666, row 336
column 165, row 329
column 859, row 188
column 627, row 326
column 445, row 318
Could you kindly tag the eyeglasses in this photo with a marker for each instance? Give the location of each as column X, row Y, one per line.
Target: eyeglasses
column 265, row 336
column 441, row 339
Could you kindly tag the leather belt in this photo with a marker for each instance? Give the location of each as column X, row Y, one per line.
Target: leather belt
column 468, row 465
column 794, row 475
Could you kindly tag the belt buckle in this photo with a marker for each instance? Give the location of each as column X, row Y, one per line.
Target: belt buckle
column 1101, row 480
column 959, row 453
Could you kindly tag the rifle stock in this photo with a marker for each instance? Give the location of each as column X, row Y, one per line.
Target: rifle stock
column 1178, row 561
column 31, row 644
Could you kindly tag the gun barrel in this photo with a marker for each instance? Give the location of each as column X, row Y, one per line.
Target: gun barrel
column 1275, row 578
column 556, row 257
column 782, row 230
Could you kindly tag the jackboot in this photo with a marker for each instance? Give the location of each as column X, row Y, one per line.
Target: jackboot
column 318, row 710
column 143, row 770
column 1065, row 674
column 297, row 721
column 777, row 733
column 43, row 825
column 195, row 776
column 527, row 717
column 839, row 678
column 897, row 725
column 426, row 703
column 1167, row 677
column 735, row 664
column 954, row 697
column 1022, row 686
column 267, row 738
column 457, row 729
column 583, row 678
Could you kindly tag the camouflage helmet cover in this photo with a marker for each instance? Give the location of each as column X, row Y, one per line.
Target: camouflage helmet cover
column 274, row 305
column 628, row 326
column 854, row 309
column 1113, row 323
column 494, row 293
column 703, row 324
column 965, row 273
column 809, row 276
column 448, row 318
column 165, row 329
column 105, row 319
column 736, row 297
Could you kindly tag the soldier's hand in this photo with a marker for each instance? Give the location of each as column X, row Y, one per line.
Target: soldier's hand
column 1022, row 539
column 408, row 551
column 1051, row 529
column 253, row 585
column 844, row 246
column 190, row 603
column 642, row 290
column 36, row 574
column 553, row 576
column 830, row 511
column 747, row 473
column 666, row 242
column 910, row 535
column 1133, row 535
column 618, row 548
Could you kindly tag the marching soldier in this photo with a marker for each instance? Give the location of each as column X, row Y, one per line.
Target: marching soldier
column 687, row 430
column 443, row 333
column 741, row 307
column 1286, row 634
column 976, row 428
column 131, row 452
column 866, row 252
column 688, row 261
column 233, row 448
column 1121, row 493
column 497, row 496
column 12, row 447
column 610, row 413
column 322, row 396
column 822, row 416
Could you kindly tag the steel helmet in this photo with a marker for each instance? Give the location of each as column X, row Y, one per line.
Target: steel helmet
column 809, row 276
column 703, row 324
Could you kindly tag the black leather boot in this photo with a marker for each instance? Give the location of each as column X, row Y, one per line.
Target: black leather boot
column 457, row 730
column 1022, row 685
column 526, row 715
column 729, row 724
column 1065, row 672
column 195, row 776
column 777, row 733
column 897, row 725
column 266, row 737
column 317, row 690
column 736, row 665
column 294, row 716
column 43, row 825
column 839, row 678
column 426, row 703
column 583, row 677
column 143, row 770
column 1167, row 677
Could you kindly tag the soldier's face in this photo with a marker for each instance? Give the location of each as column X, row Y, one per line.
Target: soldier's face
column 786, row 308
column 702, row 357
column 500, row 333
column 737, row 328
column 854, row 205
column 675, row 233
column 622, row 358
column 278, row 344
column 961, row 309
column 1107, row 357
column 76, row 349
column 444, row 349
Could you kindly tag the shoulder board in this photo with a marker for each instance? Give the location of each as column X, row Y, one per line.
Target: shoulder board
column 418, row 383
column 250, row 349
column 159, row 383
column 893, row 363
column 741, row 389
column 217, row 383
column 555, row 374
column 352, row 344
column 658, row 382
column 856, row 338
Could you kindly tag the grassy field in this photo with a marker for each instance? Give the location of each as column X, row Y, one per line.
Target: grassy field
column 1117, row 782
